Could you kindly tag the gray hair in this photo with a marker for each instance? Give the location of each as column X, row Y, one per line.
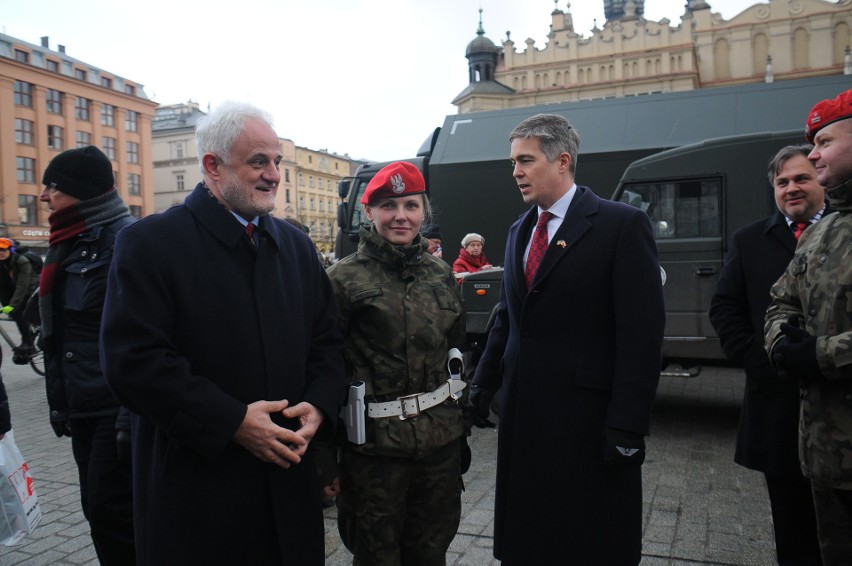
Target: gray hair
column 554, row 132
column 784, row 154
column 216, row 132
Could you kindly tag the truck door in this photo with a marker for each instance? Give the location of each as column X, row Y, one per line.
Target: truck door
column 685, row 215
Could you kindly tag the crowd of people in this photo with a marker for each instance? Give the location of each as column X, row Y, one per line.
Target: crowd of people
column 194, row 426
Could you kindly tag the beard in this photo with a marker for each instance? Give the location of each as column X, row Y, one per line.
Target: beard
column 239, row 197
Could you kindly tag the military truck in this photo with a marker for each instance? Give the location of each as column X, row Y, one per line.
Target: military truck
column 469, row 176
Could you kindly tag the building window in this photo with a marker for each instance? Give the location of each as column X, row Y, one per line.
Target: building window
column 179, row 150
column 135, row 211
column 129, row 89
column 286, row 195
column 52, row 65
column 23, row 131
column 311, row 181
column 310, row 159
column 54, row 137
column 301, row 203
column 180, row 184
column 109, row 147
column 80, row 74
column 22, row 56
column 133, row 185
column 106, row 82
column 83, row 139
column 26, row 170
column 23, row 94
column 54, row 101
column 301, row 180
column 108, row 115
column 132, row 152
column 81, row 108
column 312, row 204
column 286, row 175
column 131, row 120
column 27, row 209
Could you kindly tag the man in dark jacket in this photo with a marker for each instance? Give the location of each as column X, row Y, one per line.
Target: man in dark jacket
column 576, row 347
column 767, row 437
column 220, row 333
column 86, row 213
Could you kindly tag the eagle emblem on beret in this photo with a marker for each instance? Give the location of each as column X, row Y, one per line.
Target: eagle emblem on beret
column 397, row 184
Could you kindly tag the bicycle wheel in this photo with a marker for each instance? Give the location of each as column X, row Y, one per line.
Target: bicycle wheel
column 37, row 359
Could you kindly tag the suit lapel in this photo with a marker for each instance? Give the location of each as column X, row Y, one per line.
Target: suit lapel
column 777, row 226
column 574, row 225
column 518, row 240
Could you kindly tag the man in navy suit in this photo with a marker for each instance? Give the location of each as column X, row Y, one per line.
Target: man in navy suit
column 767, row 438
column 577, row 352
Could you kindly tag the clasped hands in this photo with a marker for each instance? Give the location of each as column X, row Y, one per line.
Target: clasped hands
column 273, row 443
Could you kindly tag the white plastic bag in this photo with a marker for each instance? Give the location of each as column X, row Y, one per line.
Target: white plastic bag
column 20, row 512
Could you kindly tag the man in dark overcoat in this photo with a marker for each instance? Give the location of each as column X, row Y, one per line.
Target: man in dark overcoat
column 577, row 351
column 220, row 333
column 767, row 437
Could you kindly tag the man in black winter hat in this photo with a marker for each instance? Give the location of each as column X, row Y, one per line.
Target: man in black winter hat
column 86, row 213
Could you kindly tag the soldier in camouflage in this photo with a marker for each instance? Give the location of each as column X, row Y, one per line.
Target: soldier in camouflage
column 399, row 496
column 809, row 331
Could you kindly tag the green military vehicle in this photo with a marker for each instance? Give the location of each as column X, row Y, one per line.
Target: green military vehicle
column 655, row 138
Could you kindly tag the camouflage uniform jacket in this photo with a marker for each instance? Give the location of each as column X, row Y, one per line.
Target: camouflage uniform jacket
column 817, row 287
column 401, row 312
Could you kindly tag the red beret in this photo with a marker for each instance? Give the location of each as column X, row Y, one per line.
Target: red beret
column 398, row 179
column 827, row 112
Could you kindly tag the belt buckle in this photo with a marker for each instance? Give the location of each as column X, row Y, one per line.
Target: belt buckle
column 403, row 414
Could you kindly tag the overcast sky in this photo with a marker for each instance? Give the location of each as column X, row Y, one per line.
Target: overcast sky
column 371, row 78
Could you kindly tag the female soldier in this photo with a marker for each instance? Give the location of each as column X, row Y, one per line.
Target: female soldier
column 400, row 491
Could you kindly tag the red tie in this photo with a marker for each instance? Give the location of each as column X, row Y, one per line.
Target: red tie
column 537, row 247
column 799, row 227
column 250, row 228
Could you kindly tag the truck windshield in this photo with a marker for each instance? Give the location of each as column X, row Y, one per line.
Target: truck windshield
column 679, row 209
column 358, row 214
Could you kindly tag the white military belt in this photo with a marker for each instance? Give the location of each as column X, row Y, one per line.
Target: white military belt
column 409, row 406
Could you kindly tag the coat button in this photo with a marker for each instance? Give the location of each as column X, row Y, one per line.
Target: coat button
column 85, row 253
column 823, row 259
column 69, row 354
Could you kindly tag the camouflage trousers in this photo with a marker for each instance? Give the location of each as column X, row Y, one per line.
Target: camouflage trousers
column 834, row 523
column 400, row 511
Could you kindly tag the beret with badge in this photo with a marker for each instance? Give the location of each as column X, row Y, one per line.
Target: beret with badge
column 827, row 112
column 399, row 179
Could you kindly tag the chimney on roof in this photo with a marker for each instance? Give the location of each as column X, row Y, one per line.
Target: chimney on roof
column 62, row 49
column 45, row 41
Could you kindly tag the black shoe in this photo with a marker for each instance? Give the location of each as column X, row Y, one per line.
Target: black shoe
column 22, row 354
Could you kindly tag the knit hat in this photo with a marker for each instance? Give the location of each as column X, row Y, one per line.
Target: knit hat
column 827, row 112
column 472, row 237
column 83, row 173
column 398, row 179
column 432, row 231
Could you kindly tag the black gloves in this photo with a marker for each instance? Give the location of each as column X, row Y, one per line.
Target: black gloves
column 622, row 448
column 465, row 455
column 795, row 354
column 122, row 435
column 481, row 400
column 61, row 427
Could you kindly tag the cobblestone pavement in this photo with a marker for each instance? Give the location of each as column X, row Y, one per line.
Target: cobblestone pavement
column 700, row 508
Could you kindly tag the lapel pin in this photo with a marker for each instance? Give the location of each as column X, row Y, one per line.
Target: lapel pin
column 561, row 243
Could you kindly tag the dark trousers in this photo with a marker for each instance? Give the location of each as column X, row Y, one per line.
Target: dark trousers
column 106, row 489
column 834, row 518
column 25, row 329
column 400, row 511
column 794, row 519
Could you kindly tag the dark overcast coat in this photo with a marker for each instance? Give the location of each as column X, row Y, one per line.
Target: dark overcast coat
column 196, row 326
column 580, row 352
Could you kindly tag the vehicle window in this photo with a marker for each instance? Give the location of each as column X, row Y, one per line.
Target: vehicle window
column 680, row 209
column 358, row 214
